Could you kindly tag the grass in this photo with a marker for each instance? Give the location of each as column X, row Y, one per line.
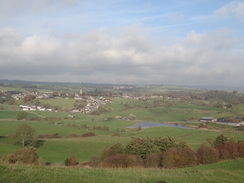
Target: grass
column 8, row 114
column 226, row 171
column 7, row 146
column 60, row 102
column 194, row 137
column 8, row 107
column 66, row 127
column 57, row 150
column 12, row 114
column 170, row 110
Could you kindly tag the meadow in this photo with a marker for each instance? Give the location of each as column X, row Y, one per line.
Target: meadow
column 225, row 171
column 60, row 102
column 56, row 150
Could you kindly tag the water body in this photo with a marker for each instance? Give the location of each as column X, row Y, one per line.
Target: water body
column 153, row 124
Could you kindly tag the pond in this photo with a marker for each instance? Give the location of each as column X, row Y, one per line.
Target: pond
column 154, row 124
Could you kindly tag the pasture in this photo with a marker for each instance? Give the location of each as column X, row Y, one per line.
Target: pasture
column 60, row 102
column 56, row 150
column 225, row 171
column 109, row 131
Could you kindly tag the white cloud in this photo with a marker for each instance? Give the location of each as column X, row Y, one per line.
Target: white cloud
column 235, row 9
column 126, row 56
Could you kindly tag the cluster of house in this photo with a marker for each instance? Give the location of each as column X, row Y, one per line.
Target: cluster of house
column 33, row 108
column 93, row 104
column 224, row 121
column 39, row 95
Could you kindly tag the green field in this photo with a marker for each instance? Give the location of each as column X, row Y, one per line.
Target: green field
column 168, row 110
column 57, row 150
column 60, row 102
column 225, row 171
column 83, row 148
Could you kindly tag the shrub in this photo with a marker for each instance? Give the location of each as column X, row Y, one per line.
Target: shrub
column 116, row 134
column 228, row 150
column 70, row 161
column 152, row 160
column 21, row 115
column 22, row 156
column 88, row 134
column 183, row 145
column 107, row 152
column 43, row 136
column 119, row 161
column 203, row 125
column 95, row 161
column 111, row 151
column 105, row 128
column 84, row 126
column 207, row 155
column 241, row 149
column 221, row 139
column 73, row 135
column 141, row 147
column 179, row 157
column 165, row 143
column 132, row 117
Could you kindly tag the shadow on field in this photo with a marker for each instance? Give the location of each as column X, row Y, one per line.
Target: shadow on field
column 39, row 143
column 3, row 137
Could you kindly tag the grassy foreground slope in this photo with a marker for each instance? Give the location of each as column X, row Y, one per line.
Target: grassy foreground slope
column 226, row 171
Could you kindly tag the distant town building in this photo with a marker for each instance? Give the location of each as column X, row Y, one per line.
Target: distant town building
column 208, row 119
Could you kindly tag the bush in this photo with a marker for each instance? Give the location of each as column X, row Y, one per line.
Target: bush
column 70, row 161
column 119, row 161
column 165, row 143
column 241, row 149
column 73, row 135
column 21, row 115
column 95, row 161
column 179, row 157
column 116, row 134
column 207, row 155
column 22, row 156
column 152, row 160
column 221, row 139
column 111, row 151
column 44, row 136
column 228, row 150
column 88, row 134
column 141, row 147
column 103, row 128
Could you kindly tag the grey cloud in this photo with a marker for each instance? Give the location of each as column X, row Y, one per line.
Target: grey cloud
column 128, row 56
column 13, row 9
column 232, row 9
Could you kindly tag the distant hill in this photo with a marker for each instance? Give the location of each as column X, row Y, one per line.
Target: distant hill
column 111, row 86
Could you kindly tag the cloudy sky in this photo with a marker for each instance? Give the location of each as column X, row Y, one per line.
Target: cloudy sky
column 174, row 42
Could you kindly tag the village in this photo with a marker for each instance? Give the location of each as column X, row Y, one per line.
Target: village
column 90, row 102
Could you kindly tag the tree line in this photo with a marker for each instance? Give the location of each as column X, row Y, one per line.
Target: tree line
column 166, row 153
column 161, row 152
column 220, row 96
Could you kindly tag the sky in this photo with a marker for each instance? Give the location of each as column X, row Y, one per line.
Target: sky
column 147, row 42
